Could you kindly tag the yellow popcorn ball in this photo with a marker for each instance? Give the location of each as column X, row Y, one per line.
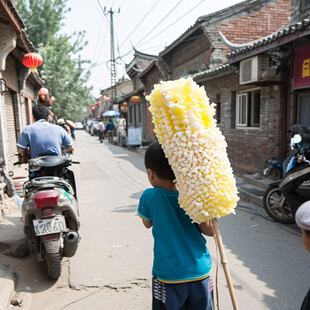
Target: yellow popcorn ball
column 195, row 148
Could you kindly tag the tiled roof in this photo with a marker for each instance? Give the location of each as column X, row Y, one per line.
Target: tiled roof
column 284, row 31
column 211, row 72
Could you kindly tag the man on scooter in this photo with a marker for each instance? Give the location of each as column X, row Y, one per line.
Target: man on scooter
column 41, row 137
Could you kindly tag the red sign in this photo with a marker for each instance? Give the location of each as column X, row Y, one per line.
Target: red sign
column 302, row 67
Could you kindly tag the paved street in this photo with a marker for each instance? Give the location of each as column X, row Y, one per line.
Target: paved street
column 112, row 268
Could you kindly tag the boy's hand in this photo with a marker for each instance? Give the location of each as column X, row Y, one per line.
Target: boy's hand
column 147, row 223
column 206, row 228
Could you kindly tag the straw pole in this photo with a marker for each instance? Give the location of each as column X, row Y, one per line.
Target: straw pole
column 224, row 263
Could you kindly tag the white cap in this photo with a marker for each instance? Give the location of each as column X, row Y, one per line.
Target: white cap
column 61, row 121
column 302, row 216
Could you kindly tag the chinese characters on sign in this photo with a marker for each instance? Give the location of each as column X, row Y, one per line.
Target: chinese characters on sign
column 302, row 67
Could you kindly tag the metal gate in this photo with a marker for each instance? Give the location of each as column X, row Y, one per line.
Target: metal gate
column 10, row 127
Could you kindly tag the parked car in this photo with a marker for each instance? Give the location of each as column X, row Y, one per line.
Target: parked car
column 94, row 128
column 87, row 126
column 78, row 125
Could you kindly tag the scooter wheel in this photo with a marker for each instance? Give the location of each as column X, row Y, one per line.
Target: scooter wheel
column 53, row 262
column 277, row 206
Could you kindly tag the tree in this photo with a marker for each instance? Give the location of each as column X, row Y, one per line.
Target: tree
column 63, row 71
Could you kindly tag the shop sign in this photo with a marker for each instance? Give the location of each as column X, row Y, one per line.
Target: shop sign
column 135, row 136
column 302, row 67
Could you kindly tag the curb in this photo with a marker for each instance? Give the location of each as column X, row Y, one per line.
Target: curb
column 7, row 285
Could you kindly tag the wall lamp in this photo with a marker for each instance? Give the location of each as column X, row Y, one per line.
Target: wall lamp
column 3, row 88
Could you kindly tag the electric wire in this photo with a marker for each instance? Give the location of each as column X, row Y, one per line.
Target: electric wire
column 140, row 21
column 97, row 41
column 174, row 22
column 160, row 22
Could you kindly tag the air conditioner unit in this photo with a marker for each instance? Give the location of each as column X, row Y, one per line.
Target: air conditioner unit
column 256, row 69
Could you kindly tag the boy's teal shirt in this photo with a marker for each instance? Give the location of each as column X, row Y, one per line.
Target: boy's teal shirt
column 180, row 252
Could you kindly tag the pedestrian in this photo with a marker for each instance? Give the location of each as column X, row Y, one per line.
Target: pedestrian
column 101, row 131
column 182, row 263
column 41, row 137
column 110, row 130
column 302, row 218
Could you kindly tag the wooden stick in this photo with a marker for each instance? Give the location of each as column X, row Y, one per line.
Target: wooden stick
column 224, row 263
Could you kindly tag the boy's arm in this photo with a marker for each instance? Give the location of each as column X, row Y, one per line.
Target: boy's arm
column 206, row 228
column 147, row 223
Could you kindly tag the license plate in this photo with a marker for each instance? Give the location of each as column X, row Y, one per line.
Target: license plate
column 49, row 226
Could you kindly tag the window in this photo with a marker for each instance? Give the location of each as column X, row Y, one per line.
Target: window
column 248, row 109
column 131, row 114
column 138, row 113
column 218, row 108
column 305, row 4
column 303, row 110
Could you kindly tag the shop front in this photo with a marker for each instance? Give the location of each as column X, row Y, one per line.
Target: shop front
column 302, row 85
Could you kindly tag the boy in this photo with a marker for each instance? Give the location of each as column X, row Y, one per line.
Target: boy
column 182, row 263
column 302, row 218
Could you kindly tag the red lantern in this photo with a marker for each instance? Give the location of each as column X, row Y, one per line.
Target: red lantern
column 91, row 108
column 106, row 99
column 32, row 61
column 135, row 98
column 99, row 102
column 52, row 98
column 43, row 91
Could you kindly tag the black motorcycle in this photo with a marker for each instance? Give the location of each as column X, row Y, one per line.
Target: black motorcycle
column 283, row 198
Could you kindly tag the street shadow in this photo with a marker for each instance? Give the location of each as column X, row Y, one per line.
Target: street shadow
column 269, row 251
column 126, row 209
column 129, row 208
column 131, row 155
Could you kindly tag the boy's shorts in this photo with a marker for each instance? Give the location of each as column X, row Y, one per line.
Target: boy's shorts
column 193, row 295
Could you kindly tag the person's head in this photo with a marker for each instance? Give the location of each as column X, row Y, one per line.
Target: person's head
column 110, row 120
column 40, row 112
column 157, row 165
column 302, row 218
column 61, row 122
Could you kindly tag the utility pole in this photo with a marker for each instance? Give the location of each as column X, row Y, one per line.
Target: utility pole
column 112, row 61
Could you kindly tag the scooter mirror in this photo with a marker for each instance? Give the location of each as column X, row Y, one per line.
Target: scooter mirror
column 297, row 138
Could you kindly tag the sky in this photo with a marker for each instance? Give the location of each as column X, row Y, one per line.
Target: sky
column 147, row 25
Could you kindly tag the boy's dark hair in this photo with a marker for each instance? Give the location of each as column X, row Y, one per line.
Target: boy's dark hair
column 156, row 160
column 40, row 112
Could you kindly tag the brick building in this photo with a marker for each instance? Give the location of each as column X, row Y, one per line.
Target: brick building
column 288, row 53
column 19, row 87
column 137, row 116
column 243, row 110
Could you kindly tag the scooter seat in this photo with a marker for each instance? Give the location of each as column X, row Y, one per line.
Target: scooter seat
column 53, row 161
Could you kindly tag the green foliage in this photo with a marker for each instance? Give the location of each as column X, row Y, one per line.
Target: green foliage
column 63, row 70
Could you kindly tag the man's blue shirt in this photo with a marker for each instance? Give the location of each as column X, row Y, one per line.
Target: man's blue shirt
column 44, row 138
column 180, row 252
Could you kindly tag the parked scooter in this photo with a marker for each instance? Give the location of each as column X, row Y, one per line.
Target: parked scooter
column 282, row 198
column 50, row 211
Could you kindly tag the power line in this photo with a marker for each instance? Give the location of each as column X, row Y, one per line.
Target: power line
column 160, row 22
column 140, row 21
column 174, row 22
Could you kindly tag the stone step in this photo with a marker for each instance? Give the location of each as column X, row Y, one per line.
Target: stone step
column 251, row 193
column 257, row 180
